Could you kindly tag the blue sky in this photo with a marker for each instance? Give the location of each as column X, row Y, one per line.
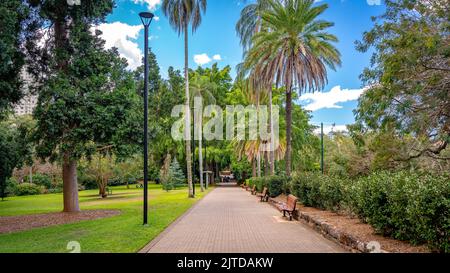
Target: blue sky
column 216, row 41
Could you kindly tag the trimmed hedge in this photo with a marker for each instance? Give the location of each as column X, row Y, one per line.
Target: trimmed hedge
column 407, row 206
column 276, row 185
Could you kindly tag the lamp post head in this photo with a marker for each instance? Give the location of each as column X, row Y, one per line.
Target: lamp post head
column 146, row 18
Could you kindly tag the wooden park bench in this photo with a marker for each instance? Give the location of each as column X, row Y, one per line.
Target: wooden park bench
column 253, row 190
column 264, row 195
column 288, row 207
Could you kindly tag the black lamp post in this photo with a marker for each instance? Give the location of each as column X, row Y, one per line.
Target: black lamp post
column 146, row 18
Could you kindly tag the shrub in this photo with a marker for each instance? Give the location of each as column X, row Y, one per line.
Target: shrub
column 407, row 206
column 276, row 185
column 28, row 189
column 260, row 183
column 10, row 187
column 40, row 180
column 241, row 170
column 404, row 205
column 87, row 182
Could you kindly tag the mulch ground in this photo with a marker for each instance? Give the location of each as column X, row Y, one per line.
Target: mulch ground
column 10, row 224
column 355, row 227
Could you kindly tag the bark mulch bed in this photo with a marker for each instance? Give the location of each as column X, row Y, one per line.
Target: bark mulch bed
column 10, row 224
column 349, row 231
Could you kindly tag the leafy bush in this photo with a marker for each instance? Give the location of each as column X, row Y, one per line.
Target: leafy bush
column 87, row 182
column 276, row 185
column 241, row 170
column 10, row 187
column 28, row 189
column 40, row 180
column 404, row 205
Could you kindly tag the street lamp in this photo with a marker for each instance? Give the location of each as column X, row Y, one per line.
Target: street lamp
column 146, row 18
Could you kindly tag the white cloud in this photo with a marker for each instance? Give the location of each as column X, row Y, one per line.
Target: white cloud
column 374, row 2
column 321, row 100
column 151, row 4
column 122, row 36
column 369, row 2
column 156, row 18
column 202, row 59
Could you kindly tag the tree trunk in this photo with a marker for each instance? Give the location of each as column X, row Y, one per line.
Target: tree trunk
column 288, row 131
column 258, row 155
column 266, row 164
column 187, row 115
column 200, row 148
column 102, row 188
column 272, row 136
column 70, row 185
column 253, row 167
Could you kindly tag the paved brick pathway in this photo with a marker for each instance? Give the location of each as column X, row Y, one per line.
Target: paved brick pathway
column 230, row 220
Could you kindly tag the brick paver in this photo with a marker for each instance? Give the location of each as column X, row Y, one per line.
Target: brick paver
column 230, row 220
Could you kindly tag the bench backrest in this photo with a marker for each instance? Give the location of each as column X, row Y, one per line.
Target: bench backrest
column 254, row 188
column 264, row 193
column 291, row 202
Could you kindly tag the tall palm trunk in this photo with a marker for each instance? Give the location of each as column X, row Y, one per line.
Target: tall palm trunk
column 272, row 136
column 188, row 114
column 200, row 146
column 253, row 167
column 266, row 164
column 258, row 155
column 288, row 131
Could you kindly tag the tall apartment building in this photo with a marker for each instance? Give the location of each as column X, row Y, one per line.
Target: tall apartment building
column 29, row 101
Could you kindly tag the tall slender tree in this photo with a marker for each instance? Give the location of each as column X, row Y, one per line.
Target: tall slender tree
column 181, row 15
column 249, row 24
column 293, row 51
column 201, row 89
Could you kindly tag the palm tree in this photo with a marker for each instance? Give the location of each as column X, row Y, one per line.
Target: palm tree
column 251, row 149
column 249, row 24
column 294, row 52
column 201, row 87
column 181, row 13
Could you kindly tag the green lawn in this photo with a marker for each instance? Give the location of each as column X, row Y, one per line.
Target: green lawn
column 122, row 233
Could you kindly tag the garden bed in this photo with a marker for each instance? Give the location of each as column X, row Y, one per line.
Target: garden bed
column 349, row 231
column 10, row 224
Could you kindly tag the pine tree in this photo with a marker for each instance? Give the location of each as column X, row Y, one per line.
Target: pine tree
column 176, row 173
column 172, row 175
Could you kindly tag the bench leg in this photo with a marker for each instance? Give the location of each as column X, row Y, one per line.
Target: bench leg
column 284, row 213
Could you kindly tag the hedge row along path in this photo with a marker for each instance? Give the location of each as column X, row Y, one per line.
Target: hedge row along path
column 229, row 220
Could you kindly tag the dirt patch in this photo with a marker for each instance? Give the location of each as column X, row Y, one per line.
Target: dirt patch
column 10, row 224
column 344, row 226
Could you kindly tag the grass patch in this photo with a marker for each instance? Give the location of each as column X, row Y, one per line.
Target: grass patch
column 122, row 233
